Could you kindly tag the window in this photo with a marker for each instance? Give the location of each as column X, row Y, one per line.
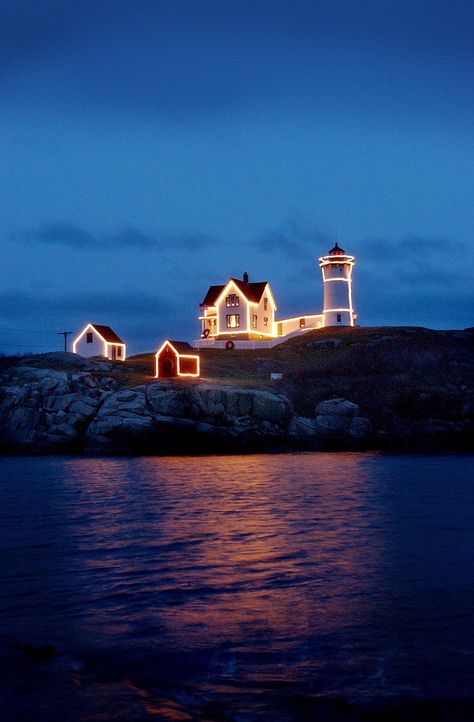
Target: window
column 338, row 318
column 254, row 321
column 232, row 320
column 119, row 352
column 89, row 337
column 232, row 300
column 265, row 304
column 302, row 322
column 265, row 321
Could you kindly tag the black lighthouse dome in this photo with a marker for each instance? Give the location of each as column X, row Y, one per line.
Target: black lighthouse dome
column 336, row 251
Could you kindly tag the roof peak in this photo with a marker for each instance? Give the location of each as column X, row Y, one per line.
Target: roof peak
column 336, row 250
column 246, row 283
column 252, row 290
column 107, row 333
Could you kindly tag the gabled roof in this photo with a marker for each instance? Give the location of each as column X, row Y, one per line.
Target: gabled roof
column 107, row 333
column 181, row 346
column 252, row 291
column 212, row 295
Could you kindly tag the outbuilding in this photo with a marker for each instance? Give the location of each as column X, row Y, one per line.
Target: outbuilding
column 98, row 340
column 175, row 358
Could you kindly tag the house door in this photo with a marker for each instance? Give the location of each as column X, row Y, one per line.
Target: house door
column 114, row 353
column 168, row 367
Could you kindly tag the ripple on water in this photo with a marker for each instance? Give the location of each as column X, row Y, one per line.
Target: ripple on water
column 243, row 588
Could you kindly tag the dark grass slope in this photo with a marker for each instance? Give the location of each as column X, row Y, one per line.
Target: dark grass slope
column 413, row 383
column 416, row 371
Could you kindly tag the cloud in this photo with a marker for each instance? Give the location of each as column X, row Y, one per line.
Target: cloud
column 293, row 240
column 413, row 246
column 62, row 233
column 416, row 261
column 25, row 305
column 65, row 234
column 417, row 280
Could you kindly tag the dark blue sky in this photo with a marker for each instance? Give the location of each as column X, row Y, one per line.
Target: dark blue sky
column 150, row 149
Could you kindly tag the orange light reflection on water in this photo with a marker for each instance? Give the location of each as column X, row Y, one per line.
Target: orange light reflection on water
column 217, row 545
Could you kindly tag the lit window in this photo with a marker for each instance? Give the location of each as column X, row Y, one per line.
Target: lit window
column 232, row 320
column 265, row 321
column 232, row 300
column 338, row 318
column 254, row 321
column 265, row 304
column 89, row 337
column 302, row 322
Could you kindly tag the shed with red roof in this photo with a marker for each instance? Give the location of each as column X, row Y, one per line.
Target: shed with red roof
column 176, row 358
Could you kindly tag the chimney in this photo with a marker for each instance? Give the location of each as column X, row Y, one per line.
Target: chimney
column 246, row 277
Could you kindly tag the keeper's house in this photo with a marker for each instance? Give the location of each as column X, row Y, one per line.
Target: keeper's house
column 238, row 309
column 240, row 312
column 176, row 358
column 98, row 340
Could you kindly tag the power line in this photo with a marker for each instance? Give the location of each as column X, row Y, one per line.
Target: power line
column 26, row 330
column 25, row 345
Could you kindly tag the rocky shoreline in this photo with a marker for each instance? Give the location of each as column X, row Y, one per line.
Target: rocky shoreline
column 85, row 409
column 48, row 411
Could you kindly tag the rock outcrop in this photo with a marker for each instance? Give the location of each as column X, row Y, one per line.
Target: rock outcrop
column 340, row 415
column 161, row 417
column 48, row 410
column 55, row 411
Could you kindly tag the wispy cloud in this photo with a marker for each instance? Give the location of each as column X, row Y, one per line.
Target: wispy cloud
column 62, row 233
column 23, row 304
column 292, row 239
column 416, row 261
column 413, row 246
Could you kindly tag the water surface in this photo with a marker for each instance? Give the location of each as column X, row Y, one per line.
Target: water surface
column 234, row 588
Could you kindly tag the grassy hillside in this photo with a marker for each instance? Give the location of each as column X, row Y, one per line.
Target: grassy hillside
column 413, row 372
column 411, row 382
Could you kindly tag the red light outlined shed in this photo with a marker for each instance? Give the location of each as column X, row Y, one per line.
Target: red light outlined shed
column 174, row 359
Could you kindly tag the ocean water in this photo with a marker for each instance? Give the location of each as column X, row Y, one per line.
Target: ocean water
column 237, row 588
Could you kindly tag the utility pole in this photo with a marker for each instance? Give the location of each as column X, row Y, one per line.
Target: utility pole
column 65, row 334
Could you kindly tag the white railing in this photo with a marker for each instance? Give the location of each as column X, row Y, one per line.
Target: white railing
column 249, row 344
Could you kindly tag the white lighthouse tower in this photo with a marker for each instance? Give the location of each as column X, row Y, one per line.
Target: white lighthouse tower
column 336, row 268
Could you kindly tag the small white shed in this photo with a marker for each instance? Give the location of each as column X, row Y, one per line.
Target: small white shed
column 98, row 340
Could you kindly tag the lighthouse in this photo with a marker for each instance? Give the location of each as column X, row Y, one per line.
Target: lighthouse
column 336, row 268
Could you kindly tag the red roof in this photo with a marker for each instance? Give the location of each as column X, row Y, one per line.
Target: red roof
column 107, row 333
column 212, row 295
column 182, row 346
column 252, row 291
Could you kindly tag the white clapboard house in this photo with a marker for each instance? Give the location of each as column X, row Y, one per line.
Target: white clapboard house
column 98, row 340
